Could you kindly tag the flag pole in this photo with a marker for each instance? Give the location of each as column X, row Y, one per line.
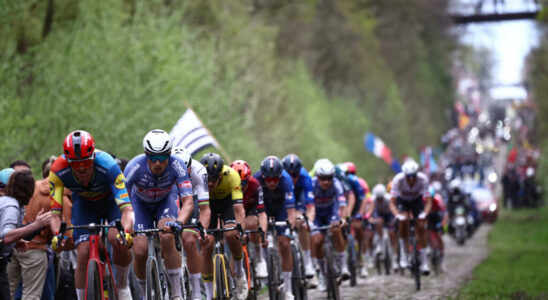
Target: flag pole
column 221, row 149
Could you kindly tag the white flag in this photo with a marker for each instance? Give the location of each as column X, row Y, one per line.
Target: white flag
column 191, row 134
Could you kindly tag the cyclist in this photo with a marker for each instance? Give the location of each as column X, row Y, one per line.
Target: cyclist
column 225, row 199
column 98, row 192
column 356, row 211
column 410, row 192
column 437, row 217
column 255, row 215
column 279, row 203
column 198, row 177
column 150, row 177
column 303, row 196
column 329, row 206
column 380, row 214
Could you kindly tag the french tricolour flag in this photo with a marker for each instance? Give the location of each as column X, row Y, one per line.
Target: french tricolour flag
column 376, row 146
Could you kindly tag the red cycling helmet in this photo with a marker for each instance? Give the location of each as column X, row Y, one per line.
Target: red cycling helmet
column 351, row 167
column 242, row 168
column 79, row 144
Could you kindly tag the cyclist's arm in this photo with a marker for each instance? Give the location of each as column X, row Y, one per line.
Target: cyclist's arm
column 128, row 218
column 291, row 215
column 428, row 205
column 371, row 207
column 187, row 206
column 239, row 213
column 311, row 212
column 351, row 202
column 56, row 189
column 205, row 215
column 263, row 221
column 393, row 206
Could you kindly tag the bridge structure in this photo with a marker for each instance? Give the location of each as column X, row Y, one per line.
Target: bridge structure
column 477, row 11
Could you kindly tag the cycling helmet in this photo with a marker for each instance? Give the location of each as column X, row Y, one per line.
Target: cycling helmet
column 343, row 168
column 351, row 167
column 271, row 167
column 213, row 164
column 183, row 153
column 379, row 190
column 436, row 185
column 410, row 167
column 242, row 168
column 292, row 164
column 157, row 142
column 454, row 185
column 324, row 167
column 79, row 144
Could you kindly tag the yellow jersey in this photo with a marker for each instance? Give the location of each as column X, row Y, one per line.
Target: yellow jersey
column 228, row 188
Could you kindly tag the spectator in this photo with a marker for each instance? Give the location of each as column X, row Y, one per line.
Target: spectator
column 35, row 267
column 19, row 190
column 19, row 165
column 4, row 178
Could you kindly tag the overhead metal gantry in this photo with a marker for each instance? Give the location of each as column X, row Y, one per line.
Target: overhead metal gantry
column 477, row 11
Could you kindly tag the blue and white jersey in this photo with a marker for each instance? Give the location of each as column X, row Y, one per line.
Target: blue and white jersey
column 328, row 200
column 303, row 189
column 151, row 188
column 281, row 197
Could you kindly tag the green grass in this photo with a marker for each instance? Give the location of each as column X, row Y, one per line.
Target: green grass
column 517, row 264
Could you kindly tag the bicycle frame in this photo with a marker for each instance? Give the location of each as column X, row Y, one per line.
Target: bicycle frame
column 103, row 263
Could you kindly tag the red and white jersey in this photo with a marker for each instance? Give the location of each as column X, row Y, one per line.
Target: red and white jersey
column 402, row 190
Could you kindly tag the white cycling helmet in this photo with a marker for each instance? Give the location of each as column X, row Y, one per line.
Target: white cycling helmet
column 410, row 167
column 455, row 185
column 324, row 167
column 379, row 190
column 183, row 153
column 157, row 142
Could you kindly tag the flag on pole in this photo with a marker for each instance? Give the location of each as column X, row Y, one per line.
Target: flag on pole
column 376, row 146
column 190, row 133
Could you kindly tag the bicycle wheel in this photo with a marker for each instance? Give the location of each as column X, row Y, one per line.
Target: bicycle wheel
column 186, row 286
column 387, row 250
column 332, row 281
column 273, row 274
column 221, row 288
column 415, row 263
column 352, row 259
column 109, row 290
column 153, row 285
column 298, row 283
column 94, row 290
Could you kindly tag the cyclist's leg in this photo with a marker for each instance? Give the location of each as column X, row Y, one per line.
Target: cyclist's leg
column 403, row 230
column 194, row 258
column 236, row 249
column 284, row 249
column 252, row 223
column 417, row 209
column 207, row 252
column 338, row 240
column 83, row 213
column 167, row 211
column 121, row 255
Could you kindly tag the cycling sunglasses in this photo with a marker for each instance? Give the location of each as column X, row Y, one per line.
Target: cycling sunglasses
column 411, row 176
column 325, row 178
column 81, row 163
column 272, row 180
column 160, row 158
column 244, row 182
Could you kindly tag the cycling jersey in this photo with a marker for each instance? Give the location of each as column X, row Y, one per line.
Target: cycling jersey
column 358, row 192
column 151, row 188
column 104, row 196
column 382, row 205
column 327, row 203
column 437, row 203
column 222, row 198
column 402, row 190
column 364, row 185
column 253, row 197
column 303, row 191
column 107, row 183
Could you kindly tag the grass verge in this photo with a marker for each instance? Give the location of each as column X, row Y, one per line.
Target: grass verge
column 516, row 266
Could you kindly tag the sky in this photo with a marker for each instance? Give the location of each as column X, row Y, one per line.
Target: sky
column 510, row 42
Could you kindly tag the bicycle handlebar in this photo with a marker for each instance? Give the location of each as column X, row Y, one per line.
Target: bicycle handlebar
column 326, row 227
column 95, row 228
column 260, row 231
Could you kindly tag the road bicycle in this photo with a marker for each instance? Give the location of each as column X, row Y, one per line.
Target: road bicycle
column 157, row 285
column 383, row 251
column 100, row 283
column 250, row 264
column 298, row 275
column 351, row 253
column 223, row 282
column 275, row 286
column 332, row 272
